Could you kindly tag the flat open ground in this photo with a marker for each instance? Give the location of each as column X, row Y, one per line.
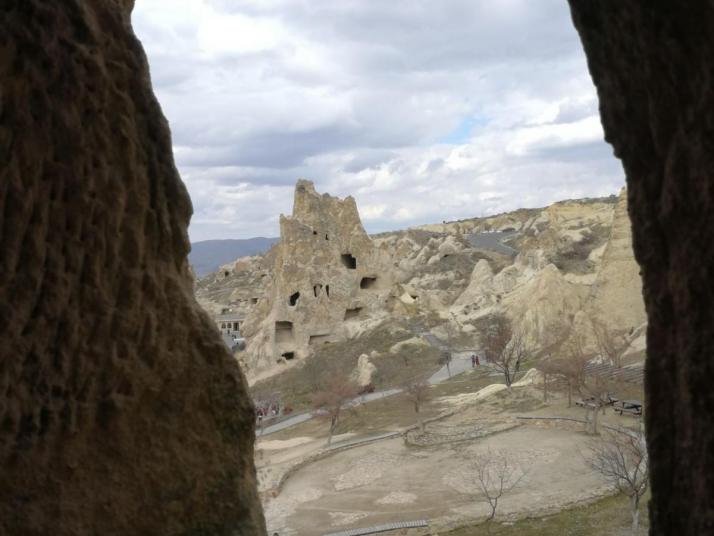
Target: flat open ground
column 389, row 481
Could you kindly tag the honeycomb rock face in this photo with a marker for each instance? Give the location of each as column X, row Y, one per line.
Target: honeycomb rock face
column 120, row 410
column 651, row 62
column 327, row 280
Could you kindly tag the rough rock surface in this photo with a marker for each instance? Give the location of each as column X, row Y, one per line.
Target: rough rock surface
column 327, row 276
column 363, row 373
column 651, row 62
column 542, row 267
column 121, row 412
column 239, row 286
column 616, row 296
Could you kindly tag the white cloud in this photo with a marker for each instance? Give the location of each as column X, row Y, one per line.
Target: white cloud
column 423, row 111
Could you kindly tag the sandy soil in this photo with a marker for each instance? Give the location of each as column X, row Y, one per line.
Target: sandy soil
column 388, row 481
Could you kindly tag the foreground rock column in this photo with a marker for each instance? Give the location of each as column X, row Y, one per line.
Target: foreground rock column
column 652, row 62
column 120, row 410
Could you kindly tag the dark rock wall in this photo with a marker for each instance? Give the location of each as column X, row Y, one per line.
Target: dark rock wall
column 120, row 410
column 653, row 64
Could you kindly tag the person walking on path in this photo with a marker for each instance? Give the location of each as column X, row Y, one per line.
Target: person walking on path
column 473, row 361
column 478, row 363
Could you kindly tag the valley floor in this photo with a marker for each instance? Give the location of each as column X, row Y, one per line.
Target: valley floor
column 402, row 479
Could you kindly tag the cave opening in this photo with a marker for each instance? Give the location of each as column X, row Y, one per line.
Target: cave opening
column 352, row 313
column 367, row 282
column 317, row 339
column 316, row 290
column 294, row 299
column 283, row 331
column 288, row 355
column 349, row 261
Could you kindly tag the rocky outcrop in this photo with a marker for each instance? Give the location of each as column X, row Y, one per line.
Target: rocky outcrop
column 569, row 261
column 328, row 277
column 238, row 286
column 651, row 64
column 121, row 411
column 544, row 301
column 363, row 373
column 616, row 296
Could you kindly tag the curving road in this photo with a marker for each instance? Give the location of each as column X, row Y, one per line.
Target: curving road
column 493, row 242
column 460, row 362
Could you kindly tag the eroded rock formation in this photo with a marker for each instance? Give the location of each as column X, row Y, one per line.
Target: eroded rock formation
column 651, row 62
column 327, row 277
column 120, row 411
column 569, row 264
column 616, row 295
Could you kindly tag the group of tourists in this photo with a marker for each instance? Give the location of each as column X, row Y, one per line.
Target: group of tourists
column 475, row 361
column 268, row 410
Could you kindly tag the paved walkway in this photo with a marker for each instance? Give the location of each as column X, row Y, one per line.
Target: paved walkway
column 381, row 528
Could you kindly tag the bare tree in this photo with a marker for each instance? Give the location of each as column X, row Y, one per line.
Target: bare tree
column 592, row 389
column 573, row 362
column 418, row 392
column 504, row 346
column 549, row 369
column 445, row 359
column 610, row 344
column 621, row 459
column 495, row 474
column 328, row 403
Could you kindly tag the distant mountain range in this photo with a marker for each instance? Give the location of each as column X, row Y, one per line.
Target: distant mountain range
column 208, row 255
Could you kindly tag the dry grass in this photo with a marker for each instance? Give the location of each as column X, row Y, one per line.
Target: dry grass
column 610, row 516
column 297, row 385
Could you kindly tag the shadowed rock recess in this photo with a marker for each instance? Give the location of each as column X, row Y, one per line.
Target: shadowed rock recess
column 120, row 410
column 652, row 64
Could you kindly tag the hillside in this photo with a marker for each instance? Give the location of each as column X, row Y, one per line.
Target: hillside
column 208, row 256
column 328, row 282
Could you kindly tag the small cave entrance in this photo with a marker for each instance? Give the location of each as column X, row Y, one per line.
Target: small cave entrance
column 284, row 332
column 349, row 261
column 414, row 296
column 368, row 282
column 254, row 300
column 314, row 233
column 288, row 356
column 317, row 289
column 226, row 273
column 319, row 339
column 294, row 299
column 354, row 312
column 326, row 237
column 327, row 290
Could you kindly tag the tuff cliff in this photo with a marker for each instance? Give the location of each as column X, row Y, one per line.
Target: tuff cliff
column 545, row 268
column 121, row 411
column 327, row 276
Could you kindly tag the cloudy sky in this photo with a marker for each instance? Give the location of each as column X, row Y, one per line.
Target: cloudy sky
column 423, row 110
